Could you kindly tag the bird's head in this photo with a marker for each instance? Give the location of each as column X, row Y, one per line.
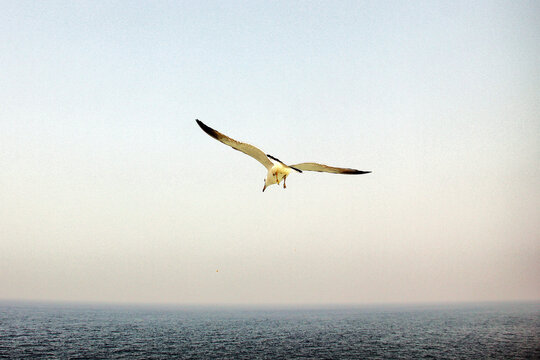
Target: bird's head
column 270, row 180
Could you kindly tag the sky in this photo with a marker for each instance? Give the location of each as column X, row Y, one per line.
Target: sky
column 110, row 192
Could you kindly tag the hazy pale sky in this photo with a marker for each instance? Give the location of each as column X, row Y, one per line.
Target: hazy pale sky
column 109, row 191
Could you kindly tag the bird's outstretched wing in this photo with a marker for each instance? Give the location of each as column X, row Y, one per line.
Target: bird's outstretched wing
column 237, row 145
column 329, row 169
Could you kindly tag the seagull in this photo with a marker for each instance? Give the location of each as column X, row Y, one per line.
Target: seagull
column 277, row 170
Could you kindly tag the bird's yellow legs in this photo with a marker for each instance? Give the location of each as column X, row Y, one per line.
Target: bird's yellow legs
column 277, row 179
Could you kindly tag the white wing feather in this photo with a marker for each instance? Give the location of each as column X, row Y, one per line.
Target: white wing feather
column 247, row 149
column 310, row 166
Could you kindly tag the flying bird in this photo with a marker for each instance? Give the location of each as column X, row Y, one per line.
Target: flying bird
column 277, row 170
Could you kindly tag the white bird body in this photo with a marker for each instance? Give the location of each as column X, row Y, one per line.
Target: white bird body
column 275, row 174
column 277, row 170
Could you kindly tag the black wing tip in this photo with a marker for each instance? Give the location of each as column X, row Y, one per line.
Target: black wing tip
column 354, row 172
column 276, row 159
column 201, row 124
column 207, row 129
column 292, row 167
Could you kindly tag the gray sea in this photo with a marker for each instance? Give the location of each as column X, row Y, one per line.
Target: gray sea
column 464, row 331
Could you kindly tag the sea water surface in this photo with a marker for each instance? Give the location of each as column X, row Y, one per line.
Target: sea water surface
column 463, row 331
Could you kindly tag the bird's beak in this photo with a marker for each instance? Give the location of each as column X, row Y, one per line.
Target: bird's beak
column 264, row 187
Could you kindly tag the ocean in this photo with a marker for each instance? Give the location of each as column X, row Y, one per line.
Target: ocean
column 461, row 331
